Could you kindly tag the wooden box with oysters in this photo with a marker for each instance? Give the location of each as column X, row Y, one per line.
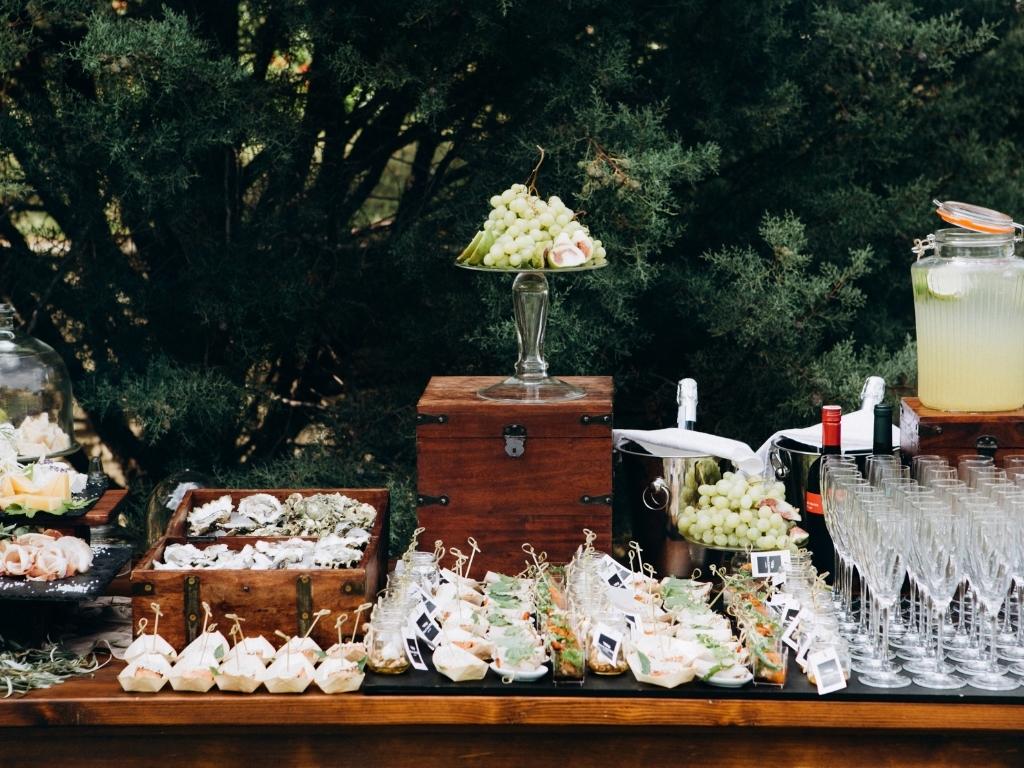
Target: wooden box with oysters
column 509, row 472
column 274, row 556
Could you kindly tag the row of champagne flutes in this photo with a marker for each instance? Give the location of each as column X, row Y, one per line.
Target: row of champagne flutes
column 948, row 529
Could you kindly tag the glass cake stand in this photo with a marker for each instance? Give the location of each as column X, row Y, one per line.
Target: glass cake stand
column 531, row 383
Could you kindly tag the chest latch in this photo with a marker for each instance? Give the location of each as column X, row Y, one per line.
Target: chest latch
column 515, row 440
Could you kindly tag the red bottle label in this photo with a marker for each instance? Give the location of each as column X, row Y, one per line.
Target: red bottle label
column 812, row 504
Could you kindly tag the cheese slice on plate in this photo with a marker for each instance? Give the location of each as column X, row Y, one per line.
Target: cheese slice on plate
column 32, row 501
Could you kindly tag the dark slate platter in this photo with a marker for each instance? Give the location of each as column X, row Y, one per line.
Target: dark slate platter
column 106, row 564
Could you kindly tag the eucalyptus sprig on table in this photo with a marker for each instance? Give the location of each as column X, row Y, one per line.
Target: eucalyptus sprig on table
column 26, row 669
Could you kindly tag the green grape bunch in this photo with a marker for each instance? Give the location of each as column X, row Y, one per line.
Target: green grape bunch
column 524, row 231
column 742, row 511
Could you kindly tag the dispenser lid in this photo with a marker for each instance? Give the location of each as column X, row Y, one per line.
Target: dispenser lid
column 976, row 218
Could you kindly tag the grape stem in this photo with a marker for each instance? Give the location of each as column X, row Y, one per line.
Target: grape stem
column 531, row 182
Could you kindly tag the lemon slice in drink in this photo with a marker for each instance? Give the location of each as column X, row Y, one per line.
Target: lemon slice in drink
column 948, row 283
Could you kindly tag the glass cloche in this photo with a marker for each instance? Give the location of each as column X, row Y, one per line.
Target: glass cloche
column 36, row 418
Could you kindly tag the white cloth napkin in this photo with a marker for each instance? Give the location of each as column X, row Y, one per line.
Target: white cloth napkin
column 857, row 434
column 681, row 443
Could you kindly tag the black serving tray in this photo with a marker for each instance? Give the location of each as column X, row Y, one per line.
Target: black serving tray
column 106, row 564
column 797, row 688
column 93, row 492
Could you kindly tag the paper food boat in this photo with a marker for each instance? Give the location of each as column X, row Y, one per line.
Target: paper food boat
column 338, row 676
column 458, row 665
column 306, row 646
column 194, row 674
column 146, row 674
column 242, row 673
column 289, row 674
column 666, row 674
column 257, row 646
column 144, row 645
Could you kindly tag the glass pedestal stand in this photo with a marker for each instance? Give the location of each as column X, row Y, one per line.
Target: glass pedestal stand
column 531, row 383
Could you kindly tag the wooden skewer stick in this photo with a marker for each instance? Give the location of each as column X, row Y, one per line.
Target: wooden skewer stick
column 236, row 626
column 474, row 549
column 359, row 612
column 414, row 541
column 338, row 624
column 157, row 613
column 438, row 551
column 287, row 648
column 636, row 548
column 143, row 623
column 207, row 615
column 206, row 638
column 316, row 617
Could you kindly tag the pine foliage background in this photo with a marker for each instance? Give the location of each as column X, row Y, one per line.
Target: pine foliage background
column 236, row 220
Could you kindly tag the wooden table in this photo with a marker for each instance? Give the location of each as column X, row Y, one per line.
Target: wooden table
column 90, row 721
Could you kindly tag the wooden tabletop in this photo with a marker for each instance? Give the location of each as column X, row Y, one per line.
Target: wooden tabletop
column 90, row 722
column 99, row 701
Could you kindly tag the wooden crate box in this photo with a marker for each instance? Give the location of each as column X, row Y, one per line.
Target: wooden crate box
column 509, row 473
column 268, row 600
column 927, row 431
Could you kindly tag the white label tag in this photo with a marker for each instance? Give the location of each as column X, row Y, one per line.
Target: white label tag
column 425, row 627
column 805, row 647
column 827, row 671
column 789, row 633
column 616, row 575
column 774, row 564
column 633, row 625
column 412, row 650
column 424, row 599
column 608, row 642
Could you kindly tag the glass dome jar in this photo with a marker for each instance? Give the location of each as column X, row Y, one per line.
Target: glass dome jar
column 969, row 308
column 36, row 417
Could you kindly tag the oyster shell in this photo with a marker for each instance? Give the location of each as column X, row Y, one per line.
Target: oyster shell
column 206, row 517
column 261, row 508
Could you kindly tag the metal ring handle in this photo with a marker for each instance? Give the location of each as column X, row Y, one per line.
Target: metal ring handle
column 778, row 465
column 658, row 485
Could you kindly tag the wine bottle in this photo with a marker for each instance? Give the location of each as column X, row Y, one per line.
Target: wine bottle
column 686, row 397
column 819, row 542
column 872, row 393
column 881, row 444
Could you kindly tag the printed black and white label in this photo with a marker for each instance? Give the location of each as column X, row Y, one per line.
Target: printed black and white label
column 608, row 642
column 773, row 564
column 827, row 671
column 426, row 627
column 790, row 634
column 616, row 575
column 412, row 650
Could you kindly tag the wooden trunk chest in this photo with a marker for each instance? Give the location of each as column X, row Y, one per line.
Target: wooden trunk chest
column 267, row 599
column 944, row 433
column 510, row 473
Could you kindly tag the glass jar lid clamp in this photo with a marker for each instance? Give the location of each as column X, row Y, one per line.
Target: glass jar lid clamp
column 971, row 217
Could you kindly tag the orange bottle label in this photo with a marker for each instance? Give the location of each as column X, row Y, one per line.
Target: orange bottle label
column 812, row 504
